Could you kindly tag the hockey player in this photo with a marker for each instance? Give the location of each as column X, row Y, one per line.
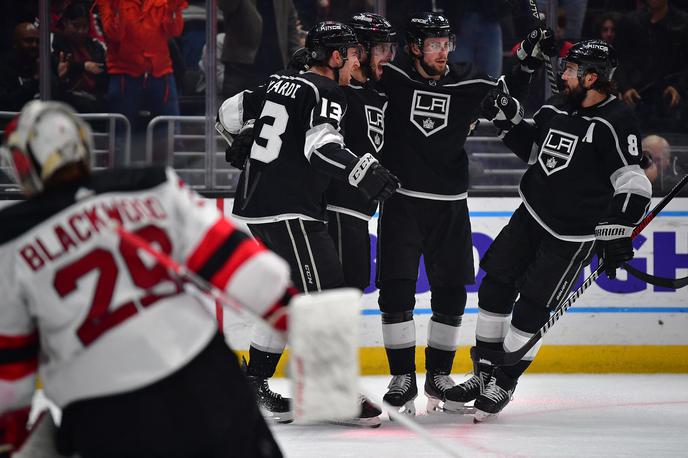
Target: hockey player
column 348, row 210
column 431, row 107
column 297, row 149
column 584, row 188
column 133, row 359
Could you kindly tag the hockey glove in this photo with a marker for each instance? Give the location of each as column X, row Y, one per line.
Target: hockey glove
column 504, row 110
column 374, row 181
column 614, row 246
column 538, row 44
column 240, row 149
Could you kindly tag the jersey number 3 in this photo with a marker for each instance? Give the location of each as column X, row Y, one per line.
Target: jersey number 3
column 101, row 316
column 266, row 147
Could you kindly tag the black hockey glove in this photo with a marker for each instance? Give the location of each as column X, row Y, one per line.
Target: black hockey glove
column 614, row 246
column 237, row 153
column 374, row 181
column 500, row 107
column 538, row 44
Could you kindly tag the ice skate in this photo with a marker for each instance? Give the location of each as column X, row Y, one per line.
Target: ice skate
column 496, row 395
column 369, row 416
column 402, row 391
column 436, row 385
column 463, row 393
column 274, row 407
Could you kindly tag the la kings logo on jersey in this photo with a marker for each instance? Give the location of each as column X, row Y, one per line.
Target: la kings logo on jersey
column 429, row 111
column 376, row 126
column 557, row 150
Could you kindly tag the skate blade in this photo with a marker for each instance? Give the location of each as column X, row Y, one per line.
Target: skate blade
column 407, row 409
column 458, row 408
column 371, row 422
column 481, row 417
column 277, row 417
column 437, row 406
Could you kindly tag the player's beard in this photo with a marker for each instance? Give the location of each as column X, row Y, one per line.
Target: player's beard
column 575, row 97
column 430, row 70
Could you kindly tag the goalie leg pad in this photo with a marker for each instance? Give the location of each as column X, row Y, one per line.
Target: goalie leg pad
column 323, row 335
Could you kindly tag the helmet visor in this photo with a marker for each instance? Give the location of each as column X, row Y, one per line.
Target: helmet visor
column 385, row 51
column 435, row 45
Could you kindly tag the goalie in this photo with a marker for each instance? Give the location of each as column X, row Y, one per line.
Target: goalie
column 133, row 359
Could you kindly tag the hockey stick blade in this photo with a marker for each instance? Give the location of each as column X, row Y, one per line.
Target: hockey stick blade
column 500, row 358
column 664, row 282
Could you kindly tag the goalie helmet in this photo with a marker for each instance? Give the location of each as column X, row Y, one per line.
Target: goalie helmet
column 595, row 56
column 327, row 37
column 42, row 139
column 428, row 25
column 372, row 28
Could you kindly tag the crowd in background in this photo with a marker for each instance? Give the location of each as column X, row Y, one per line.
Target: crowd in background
column 144, row 58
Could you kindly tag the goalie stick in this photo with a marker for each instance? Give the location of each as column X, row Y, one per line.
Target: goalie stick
column 548, row 61
column 500, row 358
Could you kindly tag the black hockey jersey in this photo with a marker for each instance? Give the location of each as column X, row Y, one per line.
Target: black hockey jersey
column 364, row 130
column 297, row 146
column 584, row 167
column 428, row 122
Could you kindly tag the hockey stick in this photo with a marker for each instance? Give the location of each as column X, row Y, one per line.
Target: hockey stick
column 548, row 60
column 664, row 282
column 318, row 339
column 500, row 358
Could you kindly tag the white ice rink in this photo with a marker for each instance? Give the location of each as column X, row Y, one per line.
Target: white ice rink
column 550, row 416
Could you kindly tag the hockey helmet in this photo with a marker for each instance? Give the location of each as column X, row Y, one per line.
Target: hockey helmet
column 372, row 28
column 299, row 60
column 595, row 56
column 42, row 139
column 326, row 37
column 428, row 25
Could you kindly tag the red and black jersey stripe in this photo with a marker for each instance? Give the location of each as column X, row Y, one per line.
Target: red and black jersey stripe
column 221, row 252
column 18, row 356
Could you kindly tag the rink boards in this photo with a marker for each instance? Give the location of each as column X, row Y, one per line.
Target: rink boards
column 623, row 325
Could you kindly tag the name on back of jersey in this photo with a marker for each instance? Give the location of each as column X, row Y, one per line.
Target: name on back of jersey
column 557, row 150
column 429, row 111
column 284, row 87
column 77, row 227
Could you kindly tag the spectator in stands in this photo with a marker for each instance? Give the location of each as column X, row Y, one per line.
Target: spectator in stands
column 479, row 33
column 575, row 16
column 260, row 38
column 19, row 72
column 653, row 72
column 138, row 56
column 84, row 85
column 664, row 171
column 605, row 27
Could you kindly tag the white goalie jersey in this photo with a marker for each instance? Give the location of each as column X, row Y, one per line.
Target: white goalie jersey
column 95, row 316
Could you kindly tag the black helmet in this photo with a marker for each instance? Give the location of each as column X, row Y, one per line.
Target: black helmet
column 329, row 36
column 299, row 60
column 427, row 25
column 596, row 56
column 372, row 28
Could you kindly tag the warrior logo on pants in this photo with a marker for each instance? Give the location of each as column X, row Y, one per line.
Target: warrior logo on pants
column 556, row 151
column 430, row 111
